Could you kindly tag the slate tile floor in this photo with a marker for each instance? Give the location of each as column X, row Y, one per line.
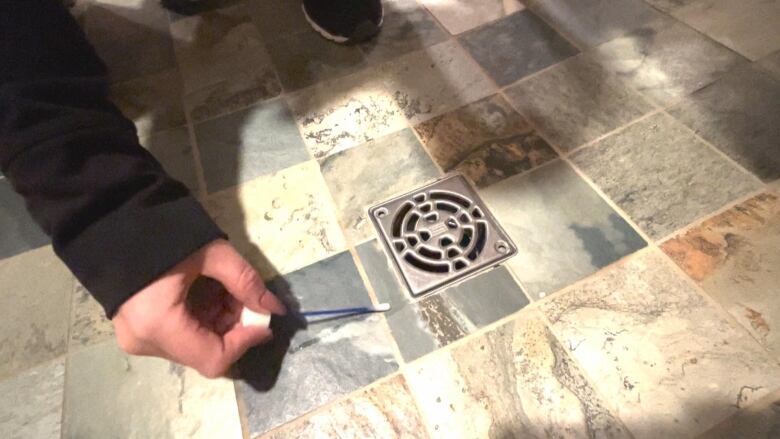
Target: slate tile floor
column 629, row 148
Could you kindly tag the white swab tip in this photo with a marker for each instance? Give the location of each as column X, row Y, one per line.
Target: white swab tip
column 251, row 318
column 382, row 307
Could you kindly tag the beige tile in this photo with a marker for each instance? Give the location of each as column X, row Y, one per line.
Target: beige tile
column 31, row 406
column 340, row 114
column 88, row 322
column 515, row 381
column 461, row 15
column 386, row 410
column 748, row 26
column 224, row 63
column 34, row 304
column 670, row 361
column 734, row 256
column 282, row 221
column 111, row 394
column 373, row 172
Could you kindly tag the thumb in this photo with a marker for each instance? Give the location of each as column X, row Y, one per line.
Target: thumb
column 224, row 264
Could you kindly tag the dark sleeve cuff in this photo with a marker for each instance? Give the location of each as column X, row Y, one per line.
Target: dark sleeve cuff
column 129, row 248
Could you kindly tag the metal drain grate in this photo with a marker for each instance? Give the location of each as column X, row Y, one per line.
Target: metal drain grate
column 439, row 234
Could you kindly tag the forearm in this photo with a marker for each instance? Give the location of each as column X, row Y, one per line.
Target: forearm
column 115, row 217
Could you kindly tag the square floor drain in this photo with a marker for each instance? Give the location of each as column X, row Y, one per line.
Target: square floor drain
column 439, row 234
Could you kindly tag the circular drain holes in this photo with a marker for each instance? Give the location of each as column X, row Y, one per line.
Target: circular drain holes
column 441, row 230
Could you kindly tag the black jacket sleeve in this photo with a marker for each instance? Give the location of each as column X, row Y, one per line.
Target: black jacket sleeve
column 115, row 217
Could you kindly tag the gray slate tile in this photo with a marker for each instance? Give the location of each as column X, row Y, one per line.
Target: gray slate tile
column 20, row 233
column 249, row 143
column 591, row 22
column 662, row 175
column 564, row 231
column 666, row 60
column 31, row 406
column 173, row 150
column 739, row 114
column 305, row 368
column 436, row 320
column 516, row 46
column 577, row 101
column 406, row 26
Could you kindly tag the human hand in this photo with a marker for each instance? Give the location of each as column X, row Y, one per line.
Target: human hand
column 207, row 334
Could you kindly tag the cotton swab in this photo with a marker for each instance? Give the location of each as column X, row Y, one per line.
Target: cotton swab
column 251, row 318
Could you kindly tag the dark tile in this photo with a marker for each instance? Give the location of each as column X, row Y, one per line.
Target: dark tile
column 436, row 320
column 759, row 420
column 406, row 26
column 771, row 63
column 670, row 5
column 487, row 141
column 662, row 175
column 247, row 144
column 516, row 46
column 277, row 18
column 303, row 370
column 223, row 62
column 372, row 172
column 577, row 101
column 305, row 58
column 131, row 38
column 20, row 233
column 666, row 60
column 592, row 22
column 461, row 15
column 152, row 102
column 740, row 115
column 563, row 230
column 173, row 150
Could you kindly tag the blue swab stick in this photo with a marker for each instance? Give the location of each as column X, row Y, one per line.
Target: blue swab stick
column 382, row 307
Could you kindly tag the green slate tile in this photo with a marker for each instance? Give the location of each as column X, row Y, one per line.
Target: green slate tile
column 307, row 366
column 563, row 229
column 740, row 115
column 577, row 101
column 662, row 175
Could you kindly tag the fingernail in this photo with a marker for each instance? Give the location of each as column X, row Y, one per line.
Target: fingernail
column 251, row 318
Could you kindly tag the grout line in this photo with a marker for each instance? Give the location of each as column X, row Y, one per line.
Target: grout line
column 327, row 406
column 714, row 148
column 614, row 131
column 399, row 359
column 708, row 216
column 243, row 419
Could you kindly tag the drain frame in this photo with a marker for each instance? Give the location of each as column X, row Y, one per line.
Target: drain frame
column 459, row 237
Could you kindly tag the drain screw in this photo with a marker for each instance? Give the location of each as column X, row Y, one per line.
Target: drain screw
column 380, row 213
column 502, row 247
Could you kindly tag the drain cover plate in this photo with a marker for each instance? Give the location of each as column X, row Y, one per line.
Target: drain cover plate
column 440, row 234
